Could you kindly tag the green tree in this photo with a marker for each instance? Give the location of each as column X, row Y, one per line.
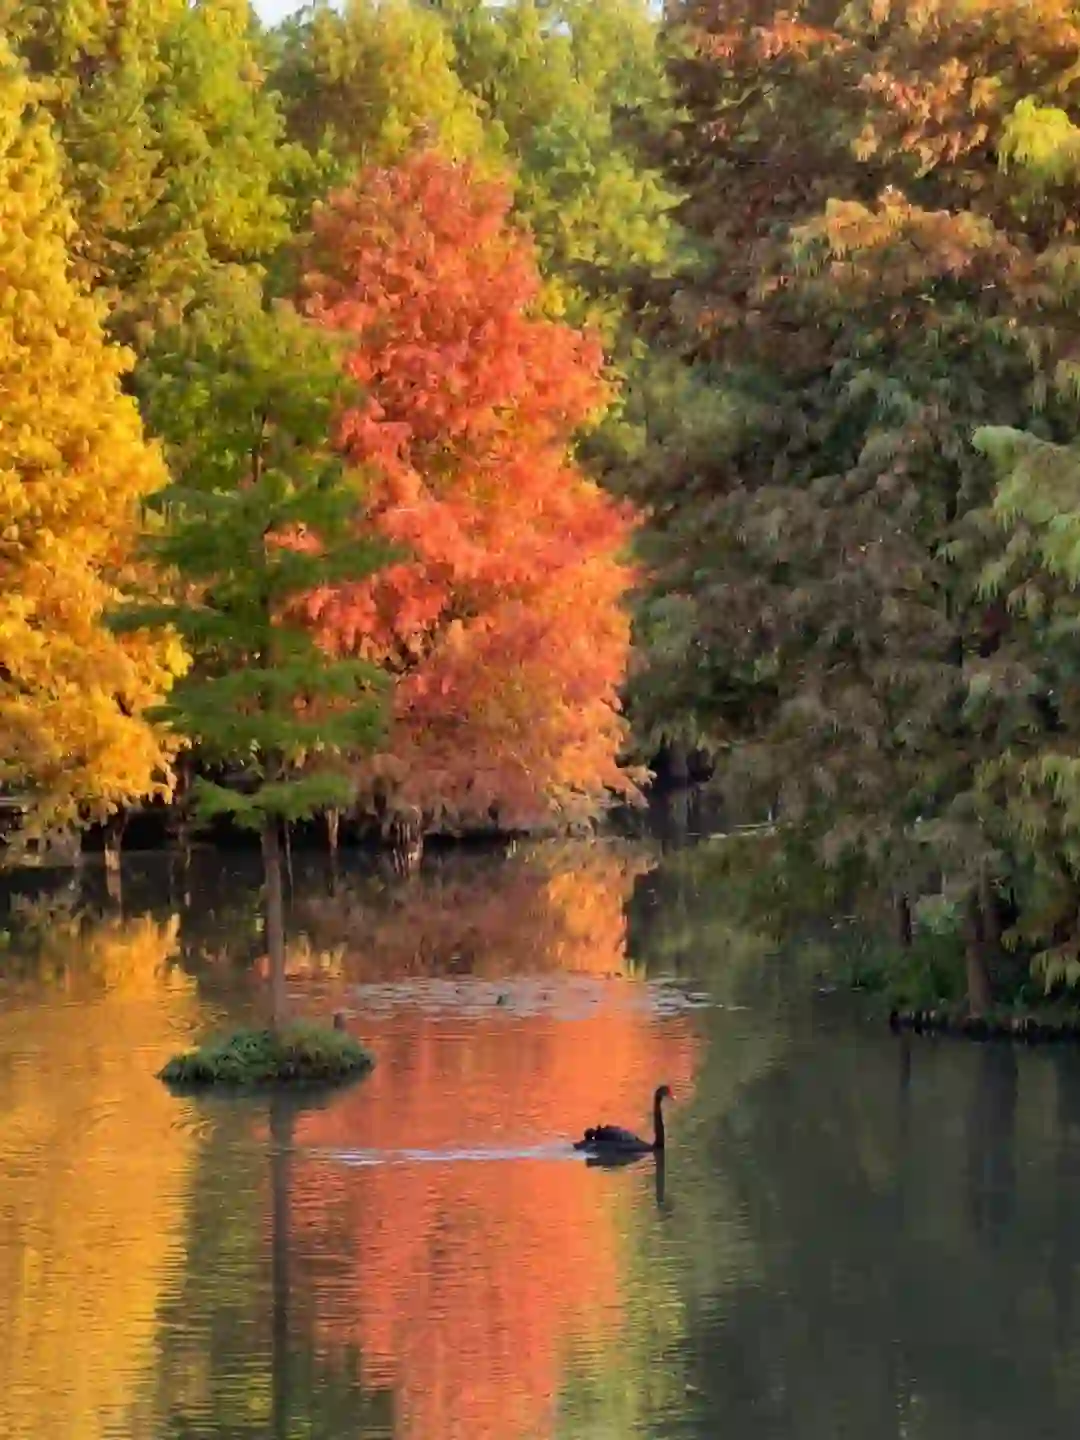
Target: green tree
column 1034, row 783
column 175, row 164
column 563, row 96
column 577, row 92
column 888, row 269
column 365, row 84
column 261, row 513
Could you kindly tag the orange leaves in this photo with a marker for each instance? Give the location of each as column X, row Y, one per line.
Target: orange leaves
column 945, row 77
column 894, row 246
column 504, row 624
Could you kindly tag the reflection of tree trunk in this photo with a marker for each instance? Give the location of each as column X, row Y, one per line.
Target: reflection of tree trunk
column 405, row 832
column 905, row 1079
column 275, row 921
column 991, row 1139
column 660, row 1182
column 281, row 1117
column 978, row 976
column 903, row 1125
column 1062, row 1266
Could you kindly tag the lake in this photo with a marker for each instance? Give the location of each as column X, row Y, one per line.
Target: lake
column 853, row 1234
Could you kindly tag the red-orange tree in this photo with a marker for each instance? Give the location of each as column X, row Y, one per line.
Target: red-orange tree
column 504, row 624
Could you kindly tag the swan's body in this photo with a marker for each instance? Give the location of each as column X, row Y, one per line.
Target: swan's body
column 614, row 1140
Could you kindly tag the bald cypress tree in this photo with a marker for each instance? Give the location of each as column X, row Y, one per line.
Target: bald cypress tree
column 886, row 195
column 75, row 468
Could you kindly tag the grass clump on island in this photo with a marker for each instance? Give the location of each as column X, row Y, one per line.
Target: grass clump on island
column 299, row 1053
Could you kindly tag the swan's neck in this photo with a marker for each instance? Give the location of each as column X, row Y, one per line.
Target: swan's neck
column 658, row 1125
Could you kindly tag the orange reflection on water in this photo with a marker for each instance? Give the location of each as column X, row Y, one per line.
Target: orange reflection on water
column 546, row 907
column 463, row 1280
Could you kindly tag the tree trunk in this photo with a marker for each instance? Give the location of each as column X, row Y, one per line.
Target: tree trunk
column 406, row 834
column 903, row 921
column 673, row 766
column 978, row 977
column 180, row 826
column 333, row 829
column 990, row 1170
column 275, row 921
column 991, row 909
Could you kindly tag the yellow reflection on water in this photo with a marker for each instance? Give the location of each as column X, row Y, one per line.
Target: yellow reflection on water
column 95, row 1171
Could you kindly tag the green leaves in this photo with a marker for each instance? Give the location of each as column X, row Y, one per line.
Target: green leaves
column 176, row 163
column 563, row 97
column 297, row 798
column 246, row 396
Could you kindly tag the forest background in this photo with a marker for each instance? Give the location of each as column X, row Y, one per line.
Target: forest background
column 439, row 413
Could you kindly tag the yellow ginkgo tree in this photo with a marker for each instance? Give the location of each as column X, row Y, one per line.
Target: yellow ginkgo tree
column 74, row 469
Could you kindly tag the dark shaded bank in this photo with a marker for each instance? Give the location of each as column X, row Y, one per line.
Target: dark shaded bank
column 679, row 786
column 963, row 982
column 1045, row 1026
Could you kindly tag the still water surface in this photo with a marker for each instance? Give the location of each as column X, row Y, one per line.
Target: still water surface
column 852, row 1235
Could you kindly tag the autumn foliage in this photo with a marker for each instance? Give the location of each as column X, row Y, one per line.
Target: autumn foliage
column 74, row 470
column 502, row 622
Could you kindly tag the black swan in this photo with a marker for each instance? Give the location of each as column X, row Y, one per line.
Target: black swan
column 614, row 1140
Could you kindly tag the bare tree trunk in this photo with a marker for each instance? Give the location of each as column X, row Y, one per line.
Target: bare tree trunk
column 333, row 831
column 182, row 809
column 114, row 837
column 676, row 764
column 991, row 909
column 275, row 921
column 978, row 977
column 903, row 921
column 179, row 833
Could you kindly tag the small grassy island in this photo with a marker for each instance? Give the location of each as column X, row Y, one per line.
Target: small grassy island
column 298, row 1053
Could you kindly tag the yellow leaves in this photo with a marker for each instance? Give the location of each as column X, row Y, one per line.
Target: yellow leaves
column 1043, row 141
column 894, row 246
column 74, row 467
column 388, row 85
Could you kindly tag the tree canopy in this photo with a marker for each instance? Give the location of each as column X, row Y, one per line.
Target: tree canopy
column 502, row 625
column 75, row 467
